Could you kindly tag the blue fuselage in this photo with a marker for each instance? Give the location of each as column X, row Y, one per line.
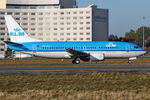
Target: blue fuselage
column 108, row 48
column 80, row 46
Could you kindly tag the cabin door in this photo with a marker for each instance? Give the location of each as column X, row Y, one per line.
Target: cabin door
column 84, row 48
column 34, row 48
column 127, row 48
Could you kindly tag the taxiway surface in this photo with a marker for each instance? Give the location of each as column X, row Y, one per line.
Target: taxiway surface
column 139, row 67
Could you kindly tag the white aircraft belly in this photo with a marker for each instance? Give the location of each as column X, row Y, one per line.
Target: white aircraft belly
column 107, row 54
column 120, row 54
column 51, row 54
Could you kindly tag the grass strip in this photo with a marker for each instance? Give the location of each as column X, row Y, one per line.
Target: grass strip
column 95, row 81
column 93, row 86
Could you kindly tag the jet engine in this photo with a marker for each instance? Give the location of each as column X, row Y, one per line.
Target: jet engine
column 93, row 57
column 96, row 56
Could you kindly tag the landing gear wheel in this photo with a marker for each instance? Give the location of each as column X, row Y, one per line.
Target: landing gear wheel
column 76, row 61
column 129, row 61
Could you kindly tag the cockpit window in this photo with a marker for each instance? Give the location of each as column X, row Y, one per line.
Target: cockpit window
column 136, row 47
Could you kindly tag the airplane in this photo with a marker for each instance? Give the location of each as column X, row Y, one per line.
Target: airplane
column 85, row 51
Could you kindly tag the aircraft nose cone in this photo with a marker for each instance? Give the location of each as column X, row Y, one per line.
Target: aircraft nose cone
column 144, row 52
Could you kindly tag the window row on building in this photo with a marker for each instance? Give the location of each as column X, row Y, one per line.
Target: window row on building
column 79, row 24
column 65, row 39
column 55, row 29
column 48, row 13
column 49, row 18
column 58, row 34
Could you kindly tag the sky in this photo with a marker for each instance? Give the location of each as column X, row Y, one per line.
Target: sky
column 123, row 14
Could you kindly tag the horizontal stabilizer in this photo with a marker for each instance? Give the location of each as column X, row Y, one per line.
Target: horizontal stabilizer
column 16, row 45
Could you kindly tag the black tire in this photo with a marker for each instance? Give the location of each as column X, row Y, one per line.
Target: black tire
column 73, row 61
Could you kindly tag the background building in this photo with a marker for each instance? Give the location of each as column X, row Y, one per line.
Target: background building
column 41, row 4
column 2, row 4
column 55, row 20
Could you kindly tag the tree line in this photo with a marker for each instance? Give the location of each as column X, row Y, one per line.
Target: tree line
column 134, row 36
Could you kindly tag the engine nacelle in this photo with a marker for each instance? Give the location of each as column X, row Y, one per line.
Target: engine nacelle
column 96, row 56
column 133, row 58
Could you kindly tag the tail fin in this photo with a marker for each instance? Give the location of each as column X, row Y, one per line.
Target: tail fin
column 16, row 33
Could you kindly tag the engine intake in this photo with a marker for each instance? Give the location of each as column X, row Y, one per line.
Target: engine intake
column 96, row 56
column 93, row 57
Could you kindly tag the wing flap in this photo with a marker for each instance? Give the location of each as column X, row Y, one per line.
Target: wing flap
column 76, row 54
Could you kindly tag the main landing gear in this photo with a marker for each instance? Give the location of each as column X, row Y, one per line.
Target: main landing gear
column 76, row 61
column 129, row 62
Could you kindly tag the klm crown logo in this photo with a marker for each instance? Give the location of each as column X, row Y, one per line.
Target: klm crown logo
column 111, row 45
column 17, row 29
column 17, row 32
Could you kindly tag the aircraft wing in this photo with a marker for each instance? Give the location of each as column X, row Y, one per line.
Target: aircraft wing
column 16, row 45
column 77, row 54
column 85, row 56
